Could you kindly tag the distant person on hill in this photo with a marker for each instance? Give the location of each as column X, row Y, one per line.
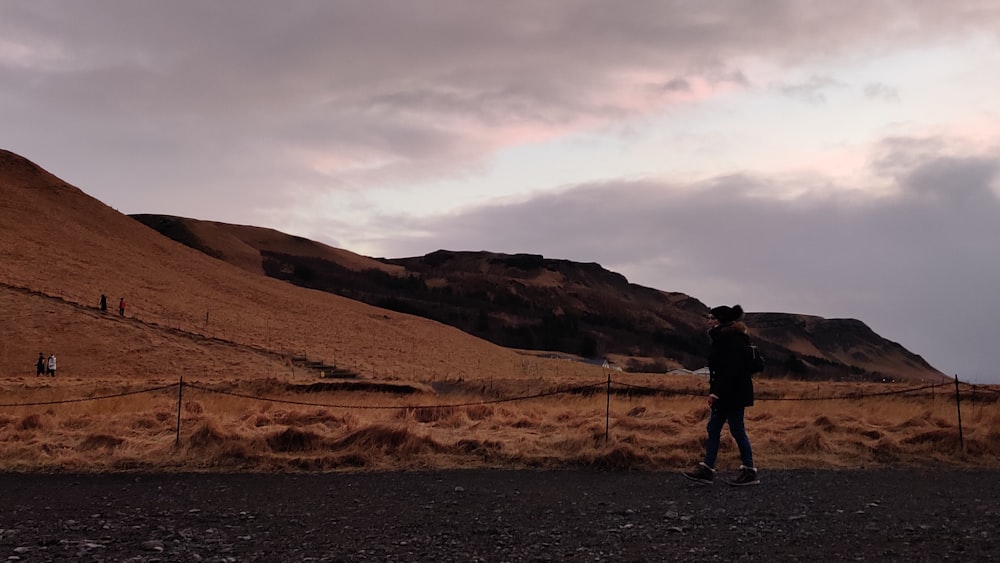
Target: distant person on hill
column 52, row 365
column 730, row 392
column 121, row 306
column 104, row 303
column 40, row 365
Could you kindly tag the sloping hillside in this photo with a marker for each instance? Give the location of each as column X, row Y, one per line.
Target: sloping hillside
column 248, row 247
column 531, row 302
column 189, row 313
column 811, row 347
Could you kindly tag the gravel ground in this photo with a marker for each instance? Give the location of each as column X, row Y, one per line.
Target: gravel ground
column 486, row 515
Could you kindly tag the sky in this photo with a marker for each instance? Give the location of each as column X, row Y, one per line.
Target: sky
column 839, row 159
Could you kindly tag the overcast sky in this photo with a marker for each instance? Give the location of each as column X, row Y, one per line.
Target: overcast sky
column 829, row 158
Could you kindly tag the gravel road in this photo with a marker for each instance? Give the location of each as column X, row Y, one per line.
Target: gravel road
column 487, row 515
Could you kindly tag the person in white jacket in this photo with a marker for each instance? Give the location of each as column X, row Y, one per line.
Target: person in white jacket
column 52, row 365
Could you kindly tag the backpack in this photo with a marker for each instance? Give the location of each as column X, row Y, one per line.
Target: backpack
column 754, row 360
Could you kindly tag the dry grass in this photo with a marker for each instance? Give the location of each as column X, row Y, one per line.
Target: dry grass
column 222, row 432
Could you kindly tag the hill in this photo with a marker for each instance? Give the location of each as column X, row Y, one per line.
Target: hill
column 189, row 313
column 527, row 301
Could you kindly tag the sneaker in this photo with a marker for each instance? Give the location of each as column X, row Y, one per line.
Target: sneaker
column 701, row 473
column 746, row 476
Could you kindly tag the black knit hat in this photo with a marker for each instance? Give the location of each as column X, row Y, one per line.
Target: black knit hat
column 725, row 314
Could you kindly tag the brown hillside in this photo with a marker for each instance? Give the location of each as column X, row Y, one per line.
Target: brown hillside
column 823, row 346
column 243, row 245
column 187, row 312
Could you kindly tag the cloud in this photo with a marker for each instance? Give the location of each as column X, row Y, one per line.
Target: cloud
column 879, row 91
column 812, row 91
column 383, row 94
column 677, row 85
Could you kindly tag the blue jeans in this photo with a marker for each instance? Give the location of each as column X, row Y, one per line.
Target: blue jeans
column 715, row 423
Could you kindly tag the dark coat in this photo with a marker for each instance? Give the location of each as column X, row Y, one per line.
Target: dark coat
column 729, row 378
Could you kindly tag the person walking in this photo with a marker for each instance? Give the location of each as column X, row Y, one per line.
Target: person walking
column 40, row 365
column 104, row 303
column 121, row 306
column 730, row 392
column 52, row 365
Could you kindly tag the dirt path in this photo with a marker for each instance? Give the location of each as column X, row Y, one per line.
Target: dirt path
column 904, row 515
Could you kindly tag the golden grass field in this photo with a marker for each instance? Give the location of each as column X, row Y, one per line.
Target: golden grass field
column 424, row 430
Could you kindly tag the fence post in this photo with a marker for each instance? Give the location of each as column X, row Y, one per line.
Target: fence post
column 607, row 413
column 180, row 396
column 958, row 406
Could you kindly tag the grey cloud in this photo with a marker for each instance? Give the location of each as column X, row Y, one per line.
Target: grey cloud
column 732, row 76
column 927, row 168
column 812, row 91
column 677, row 85
column 964, row 181
column 228, row 64
column 899, row 155
column 879, row 91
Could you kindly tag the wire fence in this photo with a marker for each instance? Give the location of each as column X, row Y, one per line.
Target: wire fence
column 558, row 391
column 612, row 387
column 88, row 399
